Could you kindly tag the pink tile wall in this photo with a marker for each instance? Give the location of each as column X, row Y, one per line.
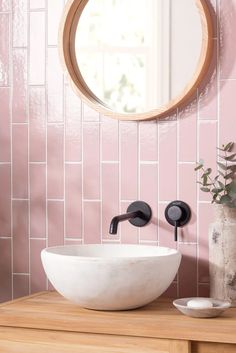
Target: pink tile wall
column 65, row 170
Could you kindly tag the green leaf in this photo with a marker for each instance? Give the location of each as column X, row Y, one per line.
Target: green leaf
column 229, row 176
column 217, row 190
column 198, row 167
column 222, row 166
column 228, row 147
column 222, row 174
column 221, row 185
column 232, row 187
column 225, row 199
column 204, row 180
column 205, row 189
column 207, row 172
column 230, row 158
column 232, row 167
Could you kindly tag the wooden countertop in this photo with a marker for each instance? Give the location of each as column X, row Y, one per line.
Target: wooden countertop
column 50, row 311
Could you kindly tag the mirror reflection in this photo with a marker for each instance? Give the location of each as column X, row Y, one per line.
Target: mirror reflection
column 136, row 56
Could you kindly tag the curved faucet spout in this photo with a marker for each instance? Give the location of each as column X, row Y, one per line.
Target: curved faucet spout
column 123, row 217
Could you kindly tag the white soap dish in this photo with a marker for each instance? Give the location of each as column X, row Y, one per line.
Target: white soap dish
column 217, row 308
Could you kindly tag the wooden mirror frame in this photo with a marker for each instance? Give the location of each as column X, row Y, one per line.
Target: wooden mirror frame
column 67, row 33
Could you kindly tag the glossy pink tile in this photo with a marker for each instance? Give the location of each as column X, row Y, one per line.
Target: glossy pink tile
column 38, row 278
column 205, row 218
column 20, row 161
column 92, row 222
column 20, row 286
column 90, row 114
column 5, row 130
column 5, row 200
column 37, row 4
column 165, row 230
column 20, row 216
column 73, row 201
column 187, row 146
column 19, row 23
column 73, row 241
column 20, row 89
column 227, row 113
column 4, row 49
column 188, row 271
column 148, row 193
column 188, row 194
column 110, row 139
column 227, row 43
column 55, row 159
column 207, row 150
column 4, row 5
column 168, row 160
column 54, row 87
column 73, row 133
column 37, row 124
column 55, row 223
column 129, row 160
column 208, row 98
column 37, row 58
column 110, row 196
column 171, row 292
column 128, row 233
column 54, row 13
column 148, row 141
column 37, row 201
column 5, row 270
column 204, row 290
column 91, row 160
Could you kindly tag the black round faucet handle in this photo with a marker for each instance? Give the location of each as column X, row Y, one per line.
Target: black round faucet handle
column 175, row 213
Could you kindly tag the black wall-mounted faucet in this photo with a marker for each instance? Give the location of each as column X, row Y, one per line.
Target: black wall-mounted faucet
column 177, row 213
column 138, row 213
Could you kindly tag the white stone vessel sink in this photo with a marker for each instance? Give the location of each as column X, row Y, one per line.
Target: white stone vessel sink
column 110, row 277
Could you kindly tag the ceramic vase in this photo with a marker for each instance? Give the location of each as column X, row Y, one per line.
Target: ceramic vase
column 222, row 254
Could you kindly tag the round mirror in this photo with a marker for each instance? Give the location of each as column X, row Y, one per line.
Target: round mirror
column 136, row 60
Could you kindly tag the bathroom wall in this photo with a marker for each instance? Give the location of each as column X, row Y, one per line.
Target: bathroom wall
column 65, row 170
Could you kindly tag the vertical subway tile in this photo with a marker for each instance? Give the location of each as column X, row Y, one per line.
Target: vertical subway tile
column 5, row 200
column 5, row 270
column 20, row 236
column 168, row 160
column 148, row 141
column 188, row 193
column 91, row 160
column 165, row 230
column 5, row 130
column 171, row 292
column 92, row 224
column 110, row 139
column 55, row 161
column 20, row 285
column 37, row 275
column 37, row 201
column 148, row 193
column 188, row 271
column 19, row 23
column 205, row 218
column 37, row 124
column 73, row 200
column 110, row 196
column 19, row 98
column 54, row 86
column 227, row 111
column 4, row 5
column 129, row 160
column 227, row 44
column 187, row 146
column 129, row 233
column 207, row 149
column 20, row 161
column 90, row 114
column 73, row 133
column 4, row 49
column 55, row 223
column 37, row 4
column 54, row 10
column 37, row 48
